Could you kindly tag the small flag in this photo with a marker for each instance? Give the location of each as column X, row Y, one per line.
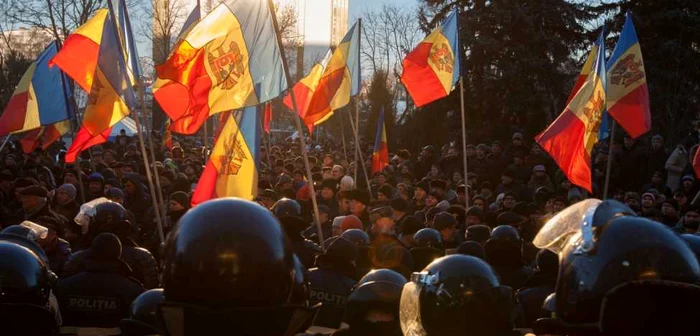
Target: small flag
column 570, row 138
column 43, row 137
column 380, row 155
column 431, row 70
column 628, row 95
column 268, row 117
column 94, row 58
column 227, row 61
column 42, row 97
column 167, row 134
column 331, row 83
column 232, row 169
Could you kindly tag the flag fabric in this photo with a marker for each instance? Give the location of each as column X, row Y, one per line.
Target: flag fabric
column 331, row 83
column 94, row 58
column 268, row 117
column 128, row 42
column 570, row 138
column 227, row 61
column 232, row 169
column 167, row 134
column 431, row 70
column 380, row 155
column 628, row 95
column 585, row 71
column 44, row 136
column 41, row 98
column 192, row 20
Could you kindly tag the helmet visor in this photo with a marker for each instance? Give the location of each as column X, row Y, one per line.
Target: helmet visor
column 409, row 310
column 572, row 221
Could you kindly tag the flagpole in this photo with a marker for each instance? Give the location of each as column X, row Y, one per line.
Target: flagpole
column 144, row 156
column 358, row 152
column 342, row 133
column 464, row 137
column 161, row 201
column 610, row 159
column 296, row 118
column 7, row 138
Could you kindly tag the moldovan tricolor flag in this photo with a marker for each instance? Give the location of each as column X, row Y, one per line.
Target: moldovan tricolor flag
column 44, row 136
column 380, row 155
column 585, row 71
column 232, row 169
column 628, row 95
column 94, row 58
column 431, row 70
column 331, row 83
column 227, row 61
column 570, row 138
column 167, row 134
column 42, row 97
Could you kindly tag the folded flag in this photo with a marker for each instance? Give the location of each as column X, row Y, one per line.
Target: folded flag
column 570, row 138
column 380, row 155
column 431, row 70
column 41, row 98
column 44, row 136
column 628, row 95
column 331, row 83
column 227, row 61
column 232, row 169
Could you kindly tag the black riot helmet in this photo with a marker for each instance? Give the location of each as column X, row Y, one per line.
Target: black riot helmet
column 286, row 207
column 24, row 236
column 385, row 275
column 504, row 248
column 110, row 217
column 456, row 295
column 24, row 276
column 602, row 245
column 217, row 253
column 428, row 238
column 380, row 296
column 142, row 314
column 357, row 236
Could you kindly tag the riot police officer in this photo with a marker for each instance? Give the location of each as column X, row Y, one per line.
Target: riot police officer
column 332, row 281
column 457, row 295
column 428, row 248
column 363, row 263
column 504, row 254
column 288, row 211
column 111, row 217
column 228, row 267
column 25, row 293
column 619, row 274
column 142, row 314
column 100, row 295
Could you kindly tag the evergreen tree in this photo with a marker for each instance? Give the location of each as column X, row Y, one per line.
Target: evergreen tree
column 380, row 95
column 12, row 66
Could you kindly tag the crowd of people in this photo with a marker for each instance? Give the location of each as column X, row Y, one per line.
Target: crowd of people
column 415, row 249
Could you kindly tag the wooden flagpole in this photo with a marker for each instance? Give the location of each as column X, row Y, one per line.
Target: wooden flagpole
column 608, row 169
column 464, row 137
column 296, row 118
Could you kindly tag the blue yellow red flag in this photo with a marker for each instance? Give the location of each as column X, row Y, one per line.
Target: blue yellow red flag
column 41, row 98
column 232, row 169
column 570, row 138
column 93, row 56
column 628, row 94
column 227, row 61
column 431, row 70
column 126, row 35
column 331, row 83
column 44, row 136
column 380, row 155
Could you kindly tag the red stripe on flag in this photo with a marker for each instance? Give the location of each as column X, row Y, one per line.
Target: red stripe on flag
column 302, row 94
column 563, row 140
column 51, row 134
column 186, row 98
column 84, row 140
column 30, row 140
column 83, row 70
column 419, row 78
column 579, row 83
column 206, row 186
column 633, row 115
column 15, row 113
column 268, row 117
column 327, row 88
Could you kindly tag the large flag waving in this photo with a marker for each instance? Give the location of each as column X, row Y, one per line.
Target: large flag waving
column 232, row 170
column 628, row 95
column 570, row 138
column 331, row 83
column 380, row 155
column 431, row 70
column 227, row 61
column 42, row 97
column 94, row 58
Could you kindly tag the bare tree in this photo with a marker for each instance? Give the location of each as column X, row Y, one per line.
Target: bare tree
column 161, row 23
column 388, row 34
